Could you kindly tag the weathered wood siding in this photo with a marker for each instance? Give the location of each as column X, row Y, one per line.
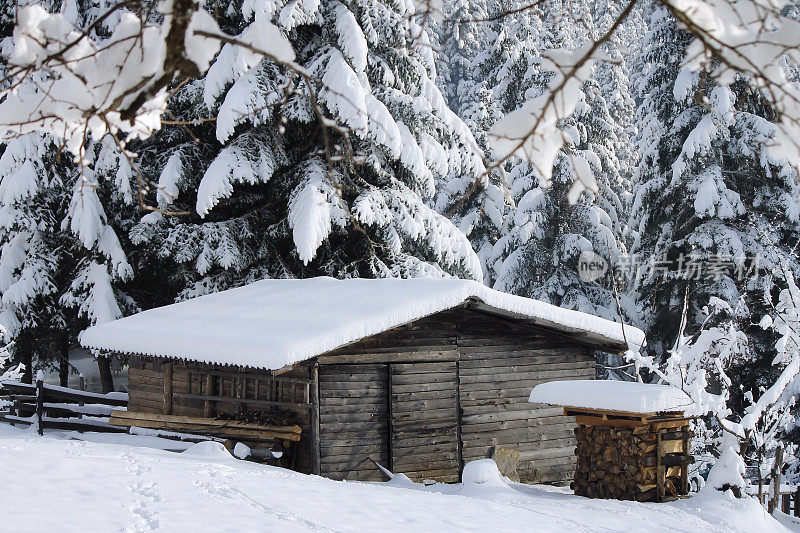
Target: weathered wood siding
column 456, row 365
column 424, row 420
column 500, row 363
column 193, row 383
column 145, row 386
column 353, row 421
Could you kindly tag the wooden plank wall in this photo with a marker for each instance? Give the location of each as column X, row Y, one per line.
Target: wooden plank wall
column 146, row 380
column 429, row 341
column 145, row 386
column 353, row 420
column 424, row 421
column 500, row 363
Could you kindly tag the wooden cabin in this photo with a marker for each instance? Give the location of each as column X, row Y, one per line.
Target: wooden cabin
column 419, row 375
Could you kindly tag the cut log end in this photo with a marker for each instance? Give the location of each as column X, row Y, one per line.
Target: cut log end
column 617, row 462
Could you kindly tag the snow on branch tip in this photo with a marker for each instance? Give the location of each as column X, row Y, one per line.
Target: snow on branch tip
column 75, row 85
column 751, row 41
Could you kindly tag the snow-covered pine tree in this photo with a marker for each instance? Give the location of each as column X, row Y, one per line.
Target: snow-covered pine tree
column 713, row 209
column 265, row 196
column 30, row 254
column 536, row 250
column 60, row 258
column 470, row 47
column 34, row 255
column 101, row 203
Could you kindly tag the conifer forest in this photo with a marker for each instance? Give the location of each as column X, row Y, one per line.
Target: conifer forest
column 634, row 160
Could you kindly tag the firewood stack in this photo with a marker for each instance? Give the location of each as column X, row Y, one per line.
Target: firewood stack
column 631, row 457
column 632, row 438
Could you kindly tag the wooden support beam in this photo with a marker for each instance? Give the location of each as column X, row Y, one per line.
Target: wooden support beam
column 459, row 422
column 183, row 419
column 660, row 473
column 39, row 404
column 313, row 395
column 168, row 388
column 684, row 468
column 231, row 429
column 389, row 418
column 290, row 406
column 677, row 460
column 208, row 406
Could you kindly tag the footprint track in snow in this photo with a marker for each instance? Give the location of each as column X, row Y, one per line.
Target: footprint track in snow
column 221, row 489
column 145, row 495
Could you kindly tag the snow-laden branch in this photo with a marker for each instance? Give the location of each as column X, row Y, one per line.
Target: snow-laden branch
column 753, row 39
column 787, row 325
column 513, row 137
column 74, row 87
column 77, row 86
column 750, row 40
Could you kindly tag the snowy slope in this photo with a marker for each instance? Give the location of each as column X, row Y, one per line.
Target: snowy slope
column 105, row 487
column 278, row 322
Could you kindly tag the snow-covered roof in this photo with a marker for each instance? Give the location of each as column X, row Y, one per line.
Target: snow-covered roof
column 624, row 396
column 274, row 323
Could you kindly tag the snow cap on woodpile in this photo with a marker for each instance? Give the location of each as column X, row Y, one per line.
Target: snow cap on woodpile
column 278, row 322
column 624, row 396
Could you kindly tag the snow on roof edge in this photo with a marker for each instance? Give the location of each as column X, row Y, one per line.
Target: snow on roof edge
column 295, row 340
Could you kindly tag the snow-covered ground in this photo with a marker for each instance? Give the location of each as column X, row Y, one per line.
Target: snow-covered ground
column 54, row 484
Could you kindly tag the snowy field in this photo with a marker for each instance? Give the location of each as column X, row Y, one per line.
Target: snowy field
column 56, row 484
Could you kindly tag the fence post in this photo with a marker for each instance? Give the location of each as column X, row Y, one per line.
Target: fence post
column 12, row 410
column 776, row 481
column 796, row 497
column 39, row 401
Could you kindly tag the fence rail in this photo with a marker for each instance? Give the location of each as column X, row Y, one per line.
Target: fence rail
column 53, row 407
column 788, row 499
column 59, row 408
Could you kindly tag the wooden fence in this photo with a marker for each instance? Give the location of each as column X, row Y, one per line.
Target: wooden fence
column 789, row 500
column 790, row 503
column 54, row 407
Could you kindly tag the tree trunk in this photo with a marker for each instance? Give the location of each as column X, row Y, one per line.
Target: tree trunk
column 24, row 354
column 63, row 362
column 774, row 501
column 106, row 380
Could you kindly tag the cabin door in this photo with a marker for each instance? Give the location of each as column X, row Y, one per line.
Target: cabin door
column 424, row 434
column 353, row 420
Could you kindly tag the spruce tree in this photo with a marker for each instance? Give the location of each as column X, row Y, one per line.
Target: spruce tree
column 534, row 252
column 33, row 253
column 714, row 212
column 267, row 199
column 61, row 261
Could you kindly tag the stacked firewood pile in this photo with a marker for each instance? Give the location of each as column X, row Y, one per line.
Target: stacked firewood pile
column 639, row 463
column 611, row 462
